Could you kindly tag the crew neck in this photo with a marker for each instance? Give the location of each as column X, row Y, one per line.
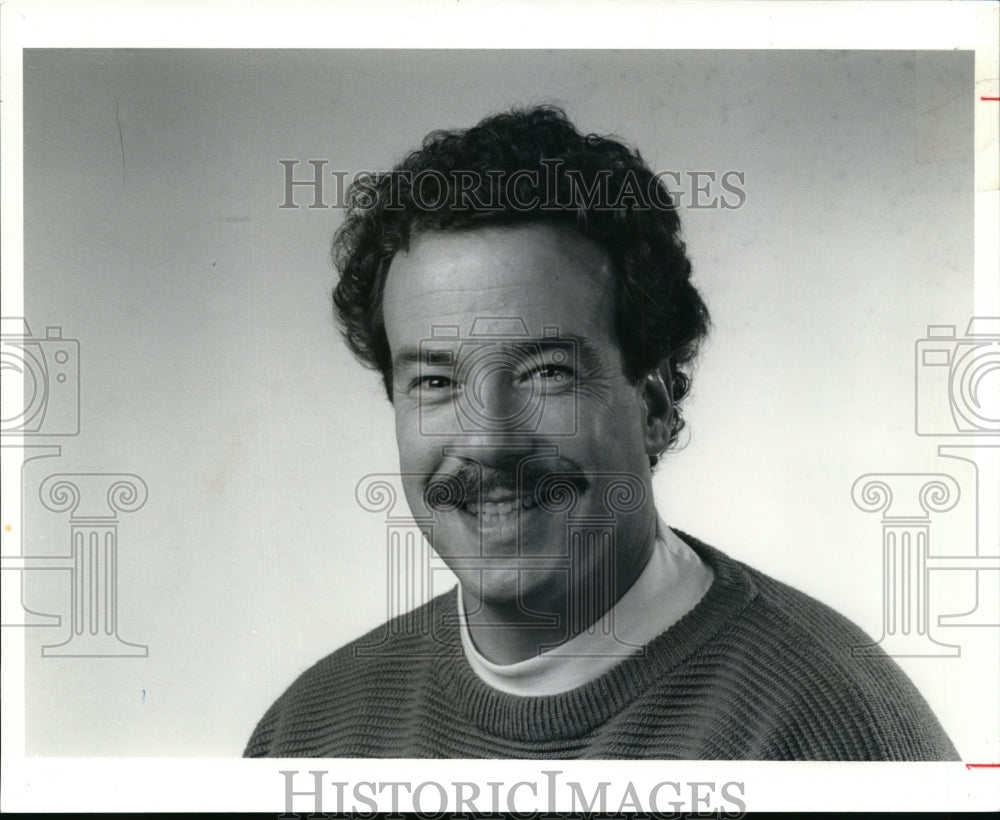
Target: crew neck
column 672, row 582
column 575, row 712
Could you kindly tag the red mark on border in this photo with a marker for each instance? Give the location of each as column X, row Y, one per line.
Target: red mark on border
column 982, row 765
column 990, row 99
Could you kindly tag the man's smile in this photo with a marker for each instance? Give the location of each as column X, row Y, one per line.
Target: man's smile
column 501, row 506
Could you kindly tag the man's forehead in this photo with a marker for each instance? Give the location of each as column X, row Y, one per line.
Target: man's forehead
column 534, row 273
column 446, row 350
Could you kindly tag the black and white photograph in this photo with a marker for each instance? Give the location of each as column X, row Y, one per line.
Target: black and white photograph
column 381, row 388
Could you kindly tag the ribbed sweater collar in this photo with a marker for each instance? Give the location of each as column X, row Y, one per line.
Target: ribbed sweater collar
column 578, row 711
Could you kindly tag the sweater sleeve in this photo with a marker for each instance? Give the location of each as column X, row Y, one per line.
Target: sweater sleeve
column 260, row 741
column 839, row 705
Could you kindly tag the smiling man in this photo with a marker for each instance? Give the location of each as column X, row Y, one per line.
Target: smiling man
column 525, row 294
column 537, row 408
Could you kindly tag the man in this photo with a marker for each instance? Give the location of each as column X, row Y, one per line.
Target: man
column 525, row 294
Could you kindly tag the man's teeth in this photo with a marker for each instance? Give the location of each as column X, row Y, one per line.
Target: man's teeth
column 500, row 509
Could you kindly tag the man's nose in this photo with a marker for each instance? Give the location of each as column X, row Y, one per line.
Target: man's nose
column 497, row 418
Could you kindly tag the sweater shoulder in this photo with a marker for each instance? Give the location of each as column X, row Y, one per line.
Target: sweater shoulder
column 333, row 695
column 836, row 694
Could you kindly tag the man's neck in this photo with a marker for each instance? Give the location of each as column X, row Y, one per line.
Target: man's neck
column 508, row 633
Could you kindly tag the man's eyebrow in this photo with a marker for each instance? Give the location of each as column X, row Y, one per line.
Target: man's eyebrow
column 425, row 355
column 444, row 355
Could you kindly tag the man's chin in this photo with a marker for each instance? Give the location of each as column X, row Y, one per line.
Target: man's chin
column 502, row 560
column 508, row 588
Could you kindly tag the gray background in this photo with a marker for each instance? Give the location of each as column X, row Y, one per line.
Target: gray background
column 210, row 365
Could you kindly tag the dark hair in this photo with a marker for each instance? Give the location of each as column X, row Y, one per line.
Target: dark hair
column 529, row 165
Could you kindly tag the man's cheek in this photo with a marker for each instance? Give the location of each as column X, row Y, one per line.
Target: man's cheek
column 413, row 489
column 559, row 417
column 408, row 436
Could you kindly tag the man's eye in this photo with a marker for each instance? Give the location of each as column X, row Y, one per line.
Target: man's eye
column 433, row 383
column 551, row 374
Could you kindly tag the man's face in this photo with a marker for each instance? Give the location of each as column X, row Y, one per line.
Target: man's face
column 508, row 383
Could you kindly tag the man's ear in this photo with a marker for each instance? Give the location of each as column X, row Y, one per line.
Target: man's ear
column 659, row 412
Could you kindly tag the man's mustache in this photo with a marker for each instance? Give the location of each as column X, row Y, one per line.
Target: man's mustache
column 553, row 486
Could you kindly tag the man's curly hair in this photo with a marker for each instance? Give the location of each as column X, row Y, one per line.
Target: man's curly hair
column 496, row 174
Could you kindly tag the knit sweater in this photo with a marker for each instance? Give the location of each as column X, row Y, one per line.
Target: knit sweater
column 755, row 671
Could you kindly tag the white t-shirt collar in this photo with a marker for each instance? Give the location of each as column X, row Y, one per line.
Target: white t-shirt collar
column 672, row 582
